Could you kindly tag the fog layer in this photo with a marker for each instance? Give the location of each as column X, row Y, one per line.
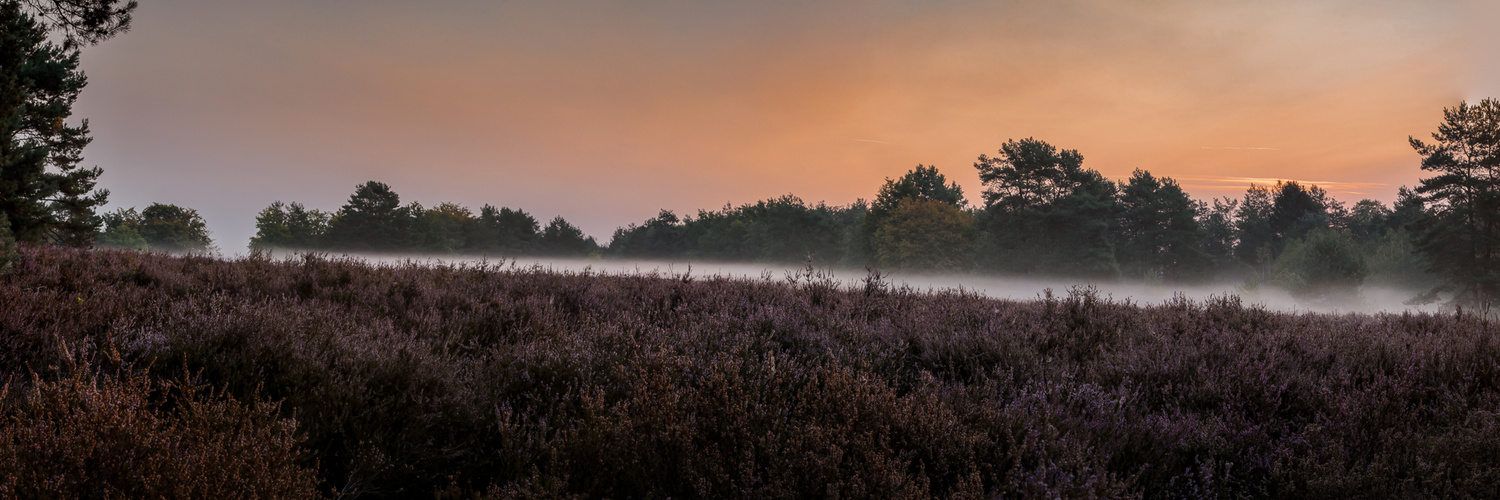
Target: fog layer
column 1369, row 299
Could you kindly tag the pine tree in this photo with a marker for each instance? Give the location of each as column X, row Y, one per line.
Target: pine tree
column 1460, row 232
column 44, row 193
column 1046, row 212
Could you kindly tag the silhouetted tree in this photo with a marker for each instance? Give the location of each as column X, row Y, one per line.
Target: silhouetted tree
column 440, row 229
column 786, row 229
column 1460, row 233
column 503, row 230
column 1367, row 220
column 44, row 193
column 1295, row 210
column 564, row 239
column 1159, row 233
column 373, row 219
column 1047, row 213
column 1219, row 237
column 1255, row 238
column 290, row 226
column 656, row 238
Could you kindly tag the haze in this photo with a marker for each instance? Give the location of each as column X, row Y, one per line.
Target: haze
column 605, row 112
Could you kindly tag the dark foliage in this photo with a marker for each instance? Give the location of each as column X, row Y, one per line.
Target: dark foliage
column 1159, row 232
column 1460, row 233
column 783, row 229
column 460, row 381
column 82, row 22
column 375, row 221
column 90, row 433
column 44, row 193
column 1047, row 213
column 160, row 226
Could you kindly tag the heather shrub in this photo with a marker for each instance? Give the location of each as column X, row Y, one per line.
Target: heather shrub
column 492, row 381
column 91, row 433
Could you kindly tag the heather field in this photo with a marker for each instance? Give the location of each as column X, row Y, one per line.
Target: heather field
column 144, row 375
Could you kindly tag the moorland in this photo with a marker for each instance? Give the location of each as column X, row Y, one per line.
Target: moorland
column 149, row 375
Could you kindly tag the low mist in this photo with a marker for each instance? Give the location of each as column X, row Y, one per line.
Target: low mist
column 1369, row 299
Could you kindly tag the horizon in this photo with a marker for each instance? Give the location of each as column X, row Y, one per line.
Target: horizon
column 605, row 114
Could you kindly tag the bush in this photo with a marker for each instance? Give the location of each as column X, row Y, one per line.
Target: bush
column 1324, row 266
column 94, row 434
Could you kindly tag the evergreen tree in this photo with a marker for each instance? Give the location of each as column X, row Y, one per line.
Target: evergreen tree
column 81, row 22
column 1295, row 210
column 562, row 238
column 44, row 193
column 1046, row 212
column 1252, row 225
column 502, row 230
column 373, row 219
column 1219, row 238
column 1367, row 221
column 1159, row 234
column 1460, row 232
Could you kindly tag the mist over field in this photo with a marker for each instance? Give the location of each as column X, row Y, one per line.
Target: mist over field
column 1369, row 299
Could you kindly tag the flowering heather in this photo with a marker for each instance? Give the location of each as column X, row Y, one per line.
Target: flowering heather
column 494, row 381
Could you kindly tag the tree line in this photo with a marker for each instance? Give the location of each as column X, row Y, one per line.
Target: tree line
column 1043, row 213
column 374, row 220
column 1041, row 210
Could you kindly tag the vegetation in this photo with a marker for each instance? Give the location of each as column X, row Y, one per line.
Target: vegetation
column 160, row 226
column 375, row 221
column 1460, row 231
column 45, row 194
column 503, row 382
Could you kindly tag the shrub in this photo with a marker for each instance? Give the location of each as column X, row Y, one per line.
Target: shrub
column 94, row 434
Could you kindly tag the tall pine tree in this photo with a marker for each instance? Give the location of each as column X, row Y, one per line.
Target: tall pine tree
column 1460, row 233
column 44, row 193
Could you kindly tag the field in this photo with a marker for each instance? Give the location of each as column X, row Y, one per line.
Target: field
column 134, row 374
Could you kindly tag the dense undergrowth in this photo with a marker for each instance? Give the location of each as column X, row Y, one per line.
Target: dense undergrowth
column 494, row 381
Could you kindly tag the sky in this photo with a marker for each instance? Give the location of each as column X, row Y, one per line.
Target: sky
column 605, row 112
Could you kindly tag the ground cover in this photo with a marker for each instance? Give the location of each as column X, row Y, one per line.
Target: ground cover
column 499, row 381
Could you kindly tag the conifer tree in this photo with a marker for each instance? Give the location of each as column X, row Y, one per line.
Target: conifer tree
column 45, row 194
column 1460, row 232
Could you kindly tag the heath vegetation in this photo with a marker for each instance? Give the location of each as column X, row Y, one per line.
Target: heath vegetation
column 500, row 381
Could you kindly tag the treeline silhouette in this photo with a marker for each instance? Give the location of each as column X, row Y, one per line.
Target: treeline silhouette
column 1045, row 214
column 375, row 220
column 1041, row 212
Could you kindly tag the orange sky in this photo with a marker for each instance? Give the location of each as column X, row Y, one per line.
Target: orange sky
column 604, row 112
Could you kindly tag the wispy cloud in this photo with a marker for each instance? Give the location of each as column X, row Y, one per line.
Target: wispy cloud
column 871, row 140
column 1217, row 183
column 1238, row 147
